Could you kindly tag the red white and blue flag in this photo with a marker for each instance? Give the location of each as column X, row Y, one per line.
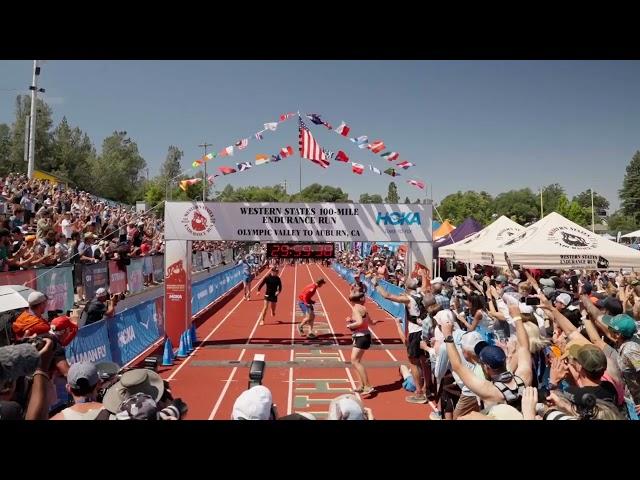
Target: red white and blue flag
column 309, row 148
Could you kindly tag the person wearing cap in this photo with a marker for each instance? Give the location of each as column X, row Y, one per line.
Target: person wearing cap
column 562, row 301
column 305, row 302
column 440, row 297
column 140, row 380
column 82, row 384
column 272, row 290
column 255, row 404
column 415, row 313
column 348, row 407
column 499, row 385
column 31, row 321
column 98, row 308
column 85, row 249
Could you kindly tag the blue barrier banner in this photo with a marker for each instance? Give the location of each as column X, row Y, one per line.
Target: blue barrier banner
column 57, row 284
column 132, row 331
column 208, row 291
column 90, row 345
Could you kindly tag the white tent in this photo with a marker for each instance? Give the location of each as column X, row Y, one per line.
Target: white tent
column 635, row 234
column 607, row 236
column 555, row 242
column 469, row 250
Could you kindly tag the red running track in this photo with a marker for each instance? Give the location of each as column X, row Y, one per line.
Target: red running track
column 303, row 375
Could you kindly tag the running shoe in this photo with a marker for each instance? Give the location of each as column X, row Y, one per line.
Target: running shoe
column 416, row 399
column 368, row 391
column 311, row 335
column 435, row 415
column 300, row 329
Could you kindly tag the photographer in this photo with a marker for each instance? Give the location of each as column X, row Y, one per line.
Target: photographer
column 575, row 405
column 99, row 308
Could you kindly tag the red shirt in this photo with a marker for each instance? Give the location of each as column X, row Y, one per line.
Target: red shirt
column 308, row 292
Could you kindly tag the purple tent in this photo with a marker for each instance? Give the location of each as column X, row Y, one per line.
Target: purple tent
column 467, row 228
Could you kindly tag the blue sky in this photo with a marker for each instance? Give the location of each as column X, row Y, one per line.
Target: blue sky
column 482, row 125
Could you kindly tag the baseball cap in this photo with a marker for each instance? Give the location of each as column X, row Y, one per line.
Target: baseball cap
column 501, row 279
column 101, row 292
column 437, row 280
column 346, row 407
column 444, row 316
column 64, row 329
column 36, row 298
column 564, row 298
column 548, row 291
column 623, row 324
column 590, row 357
column 547, row 282
column 493, row 356
column 253, row 404
column 611, row 304
column 80, row 371
column 473, row 342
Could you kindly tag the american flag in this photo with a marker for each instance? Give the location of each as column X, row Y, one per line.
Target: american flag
column 309, row 148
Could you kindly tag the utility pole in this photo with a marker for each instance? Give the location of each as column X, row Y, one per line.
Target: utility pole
column 32, row 128
column 541, row 208
column 593, row 216
column 284, row 186
column 204, row 172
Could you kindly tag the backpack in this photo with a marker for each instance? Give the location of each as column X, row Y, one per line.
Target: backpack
column 7, row 337
column 419, row 298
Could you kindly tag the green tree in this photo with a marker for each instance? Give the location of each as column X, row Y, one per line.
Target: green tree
column 630, row 191
column 119, row 167
column 620, row 222
column 44, row 122
column 521, row 206
column 406, row 200
column 459, row 206
column 5, row 148
column 573, row 211
column 71, row 155
column 321, row 193
column 392, row 193
column 551, row 195
column 366, row 198
column 171, row 167
column 584, row 200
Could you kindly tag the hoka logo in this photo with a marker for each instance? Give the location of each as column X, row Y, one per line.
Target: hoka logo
column 398, row 218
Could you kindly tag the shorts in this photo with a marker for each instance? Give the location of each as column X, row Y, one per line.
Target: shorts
column 363, row 342
column 413, row 346
column 305, row 307
column 465, row 406
column 271, row 298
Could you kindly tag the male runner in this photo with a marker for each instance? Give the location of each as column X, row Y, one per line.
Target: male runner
column 247, row 276
column 306, row 305
column 274, row 287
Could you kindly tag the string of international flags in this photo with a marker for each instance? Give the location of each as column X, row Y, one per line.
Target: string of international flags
column 309, row 149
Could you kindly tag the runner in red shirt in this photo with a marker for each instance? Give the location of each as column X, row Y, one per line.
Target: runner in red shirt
column 306, row 305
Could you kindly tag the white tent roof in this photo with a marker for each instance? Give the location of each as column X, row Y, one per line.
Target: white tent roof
column 632, row 234
column 470, row 249
column 607, row 236
column 555, row 242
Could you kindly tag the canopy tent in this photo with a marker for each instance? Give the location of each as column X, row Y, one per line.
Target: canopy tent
column 607, row 236
column 555, row 242
column 468, row 250
column 445, row 229
column 465, row 230
column 635, row 234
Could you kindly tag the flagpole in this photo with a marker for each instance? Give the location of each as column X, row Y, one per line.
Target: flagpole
column 204, row 172
column 300, row 165
column 593, row 217
column 541, row 208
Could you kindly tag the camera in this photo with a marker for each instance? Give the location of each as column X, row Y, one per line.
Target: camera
column 533, row 301
column 256, row 370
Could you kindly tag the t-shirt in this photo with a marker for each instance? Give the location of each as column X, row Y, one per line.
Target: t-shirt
column 629, row 365
column 308, row 292
column 273, row 283
column 95, row 312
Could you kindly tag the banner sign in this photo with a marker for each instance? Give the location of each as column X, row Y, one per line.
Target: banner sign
column 177, row 288
column 117, row 278
column 95, row 276
column 19, row 277
column 208, row 291
column 306, row 222
column 132, row 331
column 91, row 344
column 134, row 275
column 57, row 284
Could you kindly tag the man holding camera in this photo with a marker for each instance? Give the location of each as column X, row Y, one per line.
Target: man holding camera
column 98, row 308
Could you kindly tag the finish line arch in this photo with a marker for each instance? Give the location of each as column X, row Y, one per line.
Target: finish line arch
column 281, row 222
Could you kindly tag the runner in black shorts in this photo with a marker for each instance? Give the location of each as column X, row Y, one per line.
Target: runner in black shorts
column 358, row 323
column 274, row 287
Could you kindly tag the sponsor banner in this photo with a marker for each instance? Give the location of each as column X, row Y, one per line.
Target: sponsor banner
column 160, row 315
column 117, row 278
column 135, row 281
column 94, row 276
column 177, row 289
column 57, row 284
column 91, row 344
column 208, row 291
column 310, row 222
column 158, row 267
column 19, row 277
column 132, row 331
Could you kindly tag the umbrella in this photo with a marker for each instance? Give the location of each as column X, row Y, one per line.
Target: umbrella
column 13, row 297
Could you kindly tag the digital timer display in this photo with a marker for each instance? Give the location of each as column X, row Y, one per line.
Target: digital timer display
column 300, row 250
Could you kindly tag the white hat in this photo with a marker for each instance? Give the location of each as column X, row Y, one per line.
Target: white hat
column 101, row 292
column 564, row 298
column 444, row 316
column 345, row 407
column 470, row 340
column 36, row 298
column 437, row 280
column 253, row 404
column 524, row 308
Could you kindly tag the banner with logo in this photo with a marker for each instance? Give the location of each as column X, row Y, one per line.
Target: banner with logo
column 95, row 276
column 117, row 278
column 311, row 222
column 158, row 268
column 135, row 281
column 19, row 277
column 57, row 284
column 91, row 344
column 208, row 291
column 177, row 288
column 160, row 315
column 132, row 331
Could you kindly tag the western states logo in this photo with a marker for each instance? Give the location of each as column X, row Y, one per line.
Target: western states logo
column 198, row 221
column 398, row 218
column 513, row 239
column 572, row 238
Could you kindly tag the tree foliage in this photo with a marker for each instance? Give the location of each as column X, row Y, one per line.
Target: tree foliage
column 630, row 191
column 521, row 206
column 620, row 222
column 366, row 198
column 551, row 196
column 392, row 193
column 459, row 206
column 584, row 200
